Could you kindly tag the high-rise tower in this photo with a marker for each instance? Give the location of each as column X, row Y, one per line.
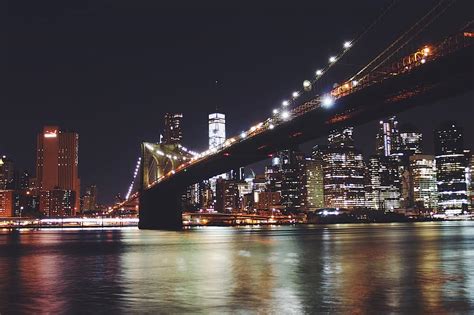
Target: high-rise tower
column 451, row 169
column 57, row 165
column 216, row 130
column 172, row 132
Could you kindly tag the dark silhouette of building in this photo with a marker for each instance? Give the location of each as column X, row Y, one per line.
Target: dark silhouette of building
column 172, row 132
column 227, row 195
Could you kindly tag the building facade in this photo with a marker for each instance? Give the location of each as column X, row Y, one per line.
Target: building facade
column 7, row 203
column 57, row 164
column 384, row 191
column 6, row 173
column 451, row 169
column 314, row 182
column 423, row 176
column 172, row 131
column 216, row 130
column 344, row 172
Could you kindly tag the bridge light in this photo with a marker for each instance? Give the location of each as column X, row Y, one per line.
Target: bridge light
column 332, row 59
column 307, row 85
column 319, row 72
column 327, row 101
column 285, row 115
column 243, row 134
column 355, row 82
column 426, row 51
column 271, row 126
column 295, row 94
column 423, row 60
column 347, row 44
column 285, row 103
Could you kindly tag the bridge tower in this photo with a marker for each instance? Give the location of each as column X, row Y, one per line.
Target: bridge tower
column 161, row 208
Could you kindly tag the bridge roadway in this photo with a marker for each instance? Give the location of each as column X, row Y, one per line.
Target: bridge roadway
column 443, row 77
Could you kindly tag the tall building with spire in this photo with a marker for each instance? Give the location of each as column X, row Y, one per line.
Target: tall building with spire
column 57, row 171
column 216, row 130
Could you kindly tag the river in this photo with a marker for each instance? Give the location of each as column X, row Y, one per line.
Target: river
column 353, row 269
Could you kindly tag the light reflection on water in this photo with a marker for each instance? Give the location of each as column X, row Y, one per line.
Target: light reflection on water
column 402, row 268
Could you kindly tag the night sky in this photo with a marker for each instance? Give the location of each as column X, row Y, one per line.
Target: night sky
column 110, row 70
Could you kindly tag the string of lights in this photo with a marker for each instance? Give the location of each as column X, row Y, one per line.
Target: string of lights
column 137, row 168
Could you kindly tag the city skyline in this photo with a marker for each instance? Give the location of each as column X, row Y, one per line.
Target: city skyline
column 114, row 121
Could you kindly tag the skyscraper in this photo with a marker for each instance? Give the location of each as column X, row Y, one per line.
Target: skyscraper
column 385, row 185
column 410, row 140
column 423, row 176
column 288, row 178
column 57, row 164
column 388, row 138
column 6, row 173
column 216, row 130
column 227, row 195
column 315, row 180
column 89, row 200
column 344, row 172
column 471, row 178
column 451, row 169
column 172, row 132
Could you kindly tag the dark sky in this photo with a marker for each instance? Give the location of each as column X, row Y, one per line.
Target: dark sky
column 111, row 69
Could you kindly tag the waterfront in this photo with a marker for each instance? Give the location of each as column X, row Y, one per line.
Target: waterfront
column 364, row 268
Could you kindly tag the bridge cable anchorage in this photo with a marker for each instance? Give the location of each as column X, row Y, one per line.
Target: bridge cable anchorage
column 400, row 38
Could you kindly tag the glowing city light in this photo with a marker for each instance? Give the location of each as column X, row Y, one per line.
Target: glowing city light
column 275, row 111
column 285, row 103
column 307, row 85
column 285, row 115
column 332, row 59
column 355, row 82
column 347, row 44
column 423, row 60
column 243, row 134
column 295, row 94
column 319, row 72
column 271, row 126
column 327, row 101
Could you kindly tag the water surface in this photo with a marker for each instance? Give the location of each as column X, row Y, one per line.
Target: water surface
column 364, row 268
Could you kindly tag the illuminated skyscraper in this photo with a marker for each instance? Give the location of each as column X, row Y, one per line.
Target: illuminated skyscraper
column 388, row 138
column 7, row 203
column 451, row 169
column 57, row 164
column 471, row 180
column 315, row 180
column 385, row 185
column 344, row 172
column 410, row 140
column 287, row 176
column 216, row 130
column 172, row 132
column 6, row 173
column 423, row 176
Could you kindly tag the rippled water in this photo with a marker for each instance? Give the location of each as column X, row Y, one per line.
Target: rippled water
column 377, row 269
